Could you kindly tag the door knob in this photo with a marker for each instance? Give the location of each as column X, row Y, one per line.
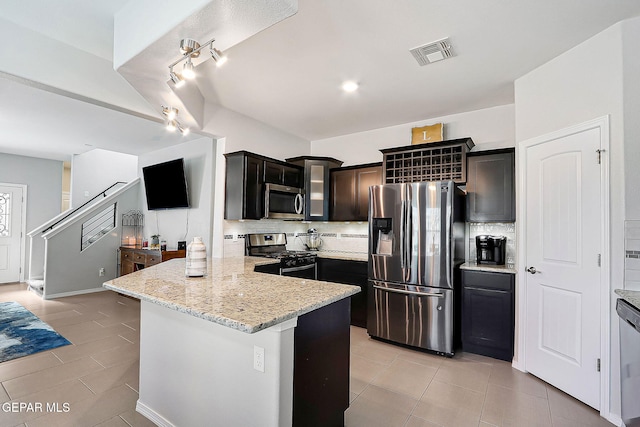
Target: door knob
column 532, row 270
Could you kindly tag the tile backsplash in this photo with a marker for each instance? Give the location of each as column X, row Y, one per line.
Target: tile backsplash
column 351, row 237
column 632, row 255
column 337, row 237
column 507, row 229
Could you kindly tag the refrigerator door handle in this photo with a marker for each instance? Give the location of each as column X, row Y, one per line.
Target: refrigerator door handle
column 406, row 249
column 400, row 291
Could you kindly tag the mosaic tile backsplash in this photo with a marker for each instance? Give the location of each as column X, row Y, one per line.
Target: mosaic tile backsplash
column 348, row 238
column 632, row 255
column 337, row 237
column 507, row 229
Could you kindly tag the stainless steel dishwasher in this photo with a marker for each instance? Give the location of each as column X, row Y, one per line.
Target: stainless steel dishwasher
column 629, row 362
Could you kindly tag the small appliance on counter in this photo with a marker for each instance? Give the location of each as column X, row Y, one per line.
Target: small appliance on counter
column 491, row 249
column 313, row 240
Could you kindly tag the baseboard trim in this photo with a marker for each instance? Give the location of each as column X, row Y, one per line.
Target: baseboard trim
column 70, row 294
column 152, row 415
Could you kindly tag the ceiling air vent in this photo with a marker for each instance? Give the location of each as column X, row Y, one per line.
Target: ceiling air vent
column 432, row 52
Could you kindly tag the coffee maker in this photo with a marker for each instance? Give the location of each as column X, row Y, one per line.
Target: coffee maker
column 491, row 249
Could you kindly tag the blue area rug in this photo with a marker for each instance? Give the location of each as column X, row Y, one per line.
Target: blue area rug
column 22, row 333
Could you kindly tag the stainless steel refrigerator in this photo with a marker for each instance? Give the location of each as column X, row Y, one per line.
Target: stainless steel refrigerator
column 416, row 245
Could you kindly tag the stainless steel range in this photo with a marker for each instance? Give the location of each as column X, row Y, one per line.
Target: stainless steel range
column 274, row 245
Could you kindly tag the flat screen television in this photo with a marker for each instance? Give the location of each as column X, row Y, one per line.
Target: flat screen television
column 166, row 185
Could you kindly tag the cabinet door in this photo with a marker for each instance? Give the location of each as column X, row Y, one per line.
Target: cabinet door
column 490, row 187
column 292, row 176
column 365, row 178
column 126, row 267
column 272, row 173
column 488, row 314
column 253, row 188
column 343, row 195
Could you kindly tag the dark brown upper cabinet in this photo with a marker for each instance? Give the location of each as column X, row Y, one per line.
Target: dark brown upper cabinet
column 316, row 185
column 279, row 173
column 491, row 186
column 349, row 199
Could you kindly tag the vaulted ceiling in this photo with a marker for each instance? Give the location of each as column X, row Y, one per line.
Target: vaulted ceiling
column 287, row 61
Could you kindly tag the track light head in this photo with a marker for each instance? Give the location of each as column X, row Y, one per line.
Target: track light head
column 183, row 131
column 172, row 125
column 217, row 56
column 176, row 78
column 188, row 71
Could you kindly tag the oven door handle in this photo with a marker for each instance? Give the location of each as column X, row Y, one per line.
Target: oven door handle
column 400, row 291
column 298, row 203
column 299, row 268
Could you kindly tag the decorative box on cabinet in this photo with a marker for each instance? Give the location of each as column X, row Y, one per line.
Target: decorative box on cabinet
column 316, row 185
column 437, row 161
column 349, row 198
column 490, row 186
column 132, row 259
column 488, row 313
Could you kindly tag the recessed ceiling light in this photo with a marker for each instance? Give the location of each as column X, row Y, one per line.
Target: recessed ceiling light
column 350, row 86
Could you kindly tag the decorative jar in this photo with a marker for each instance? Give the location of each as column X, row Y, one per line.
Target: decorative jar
column 196, row 262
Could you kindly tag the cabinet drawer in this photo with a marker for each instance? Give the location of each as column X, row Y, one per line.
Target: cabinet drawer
column 486, row 280
column 153, row 260
column 139, row 258
column 127, row 255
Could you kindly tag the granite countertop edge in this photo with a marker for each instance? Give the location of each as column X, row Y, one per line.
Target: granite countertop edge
column 313, row 303
column 632, row 297
column 470, row 265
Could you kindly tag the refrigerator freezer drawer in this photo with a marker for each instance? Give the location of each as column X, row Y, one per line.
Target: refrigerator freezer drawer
column 413, row 315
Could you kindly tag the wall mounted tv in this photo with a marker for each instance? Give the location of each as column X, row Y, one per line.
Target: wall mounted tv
column 166, row 185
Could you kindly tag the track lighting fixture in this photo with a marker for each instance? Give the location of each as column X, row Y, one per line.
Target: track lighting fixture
column 218, row 56
column 190, row 49
column 187, row 70
column 171, row 114
column 176, row 78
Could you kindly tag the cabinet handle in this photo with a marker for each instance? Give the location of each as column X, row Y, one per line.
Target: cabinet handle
column 500, row 291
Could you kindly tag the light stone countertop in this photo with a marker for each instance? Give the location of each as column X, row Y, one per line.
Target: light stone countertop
column 632, row 297
column 471, row 265
column 347, row 256
column 231, row 294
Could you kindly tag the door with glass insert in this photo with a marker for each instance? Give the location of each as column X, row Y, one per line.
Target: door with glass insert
column 10, row 233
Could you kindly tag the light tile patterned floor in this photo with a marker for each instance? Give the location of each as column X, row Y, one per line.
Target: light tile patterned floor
column 390, row 385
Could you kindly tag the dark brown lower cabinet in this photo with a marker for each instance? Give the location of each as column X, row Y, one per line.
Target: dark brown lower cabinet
column 349, row 272
column 321, row 367
column 488, row 313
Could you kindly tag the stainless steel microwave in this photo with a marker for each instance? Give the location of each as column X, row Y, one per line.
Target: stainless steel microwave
column 283, row 202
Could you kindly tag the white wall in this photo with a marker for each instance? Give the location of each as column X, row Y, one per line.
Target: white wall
column 95, row 170
column 71, row 270
column 67, row 68
column 244, row 133
column 631, row 102
column 573, row 88
column 174, row 225
column 44, row 196
column 489, row 128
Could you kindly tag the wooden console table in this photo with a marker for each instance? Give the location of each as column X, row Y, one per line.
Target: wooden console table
column 134, row 259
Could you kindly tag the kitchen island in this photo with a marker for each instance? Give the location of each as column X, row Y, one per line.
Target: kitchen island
column 239, row 347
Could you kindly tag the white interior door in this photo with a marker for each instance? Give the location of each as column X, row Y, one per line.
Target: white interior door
column 563, row 247
column 10, row 233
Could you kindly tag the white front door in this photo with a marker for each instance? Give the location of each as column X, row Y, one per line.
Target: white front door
column 563, row 245
column 10, row 233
